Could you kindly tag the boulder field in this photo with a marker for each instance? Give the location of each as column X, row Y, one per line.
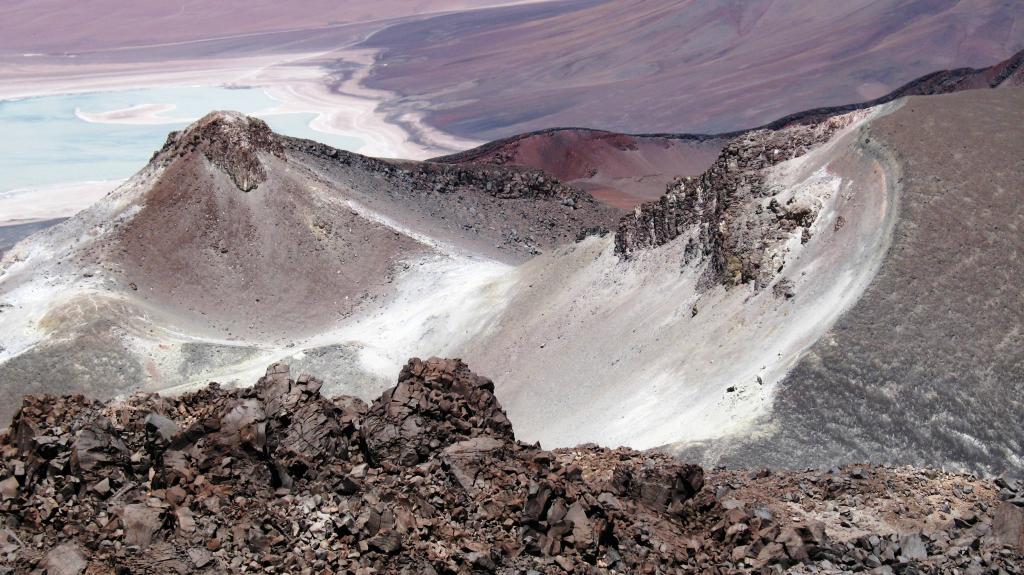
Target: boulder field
column 429, row 478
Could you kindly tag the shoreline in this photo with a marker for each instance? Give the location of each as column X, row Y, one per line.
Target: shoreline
column 141, row 114
column 299, row 83
column 302, row 83
column 412, row 124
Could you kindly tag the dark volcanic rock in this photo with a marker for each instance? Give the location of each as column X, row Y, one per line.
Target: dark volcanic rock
column 434, row 405
column 97, row 446
column 1008, row 526
column 429, row 479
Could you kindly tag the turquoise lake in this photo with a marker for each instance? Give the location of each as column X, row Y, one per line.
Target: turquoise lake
column 43, row 142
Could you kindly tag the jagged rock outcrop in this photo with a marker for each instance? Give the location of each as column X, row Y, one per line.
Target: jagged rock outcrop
column 232, row 142
column 725, row 214
column 434, row 405
column 429, row 479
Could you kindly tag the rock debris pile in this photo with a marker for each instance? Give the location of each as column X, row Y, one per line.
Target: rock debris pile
column 430, row 479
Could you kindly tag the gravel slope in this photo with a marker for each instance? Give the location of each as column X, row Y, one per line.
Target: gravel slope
column 928, row 366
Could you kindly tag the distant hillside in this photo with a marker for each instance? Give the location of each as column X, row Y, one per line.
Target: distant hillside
column 646, row 66
column 628, row 169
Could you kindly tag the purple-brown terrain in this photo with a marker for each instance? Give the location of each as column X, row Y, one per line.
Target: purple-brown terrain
column 60, row 26
column 491, row 69
column 640, row 66
column 625, row 170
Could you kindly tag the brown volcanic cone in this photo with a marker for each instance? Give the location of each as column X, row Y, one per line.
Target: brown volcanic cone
column 234, row 231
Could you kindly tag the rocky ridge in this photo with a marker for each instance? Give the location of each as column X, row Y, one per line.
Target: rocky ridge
column 621, row 170
column 498, row 181
column 1006, row 74
column 729, row 227
column 534, row 210
column 430, row 479
column 739, row 246
column 233, row 141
